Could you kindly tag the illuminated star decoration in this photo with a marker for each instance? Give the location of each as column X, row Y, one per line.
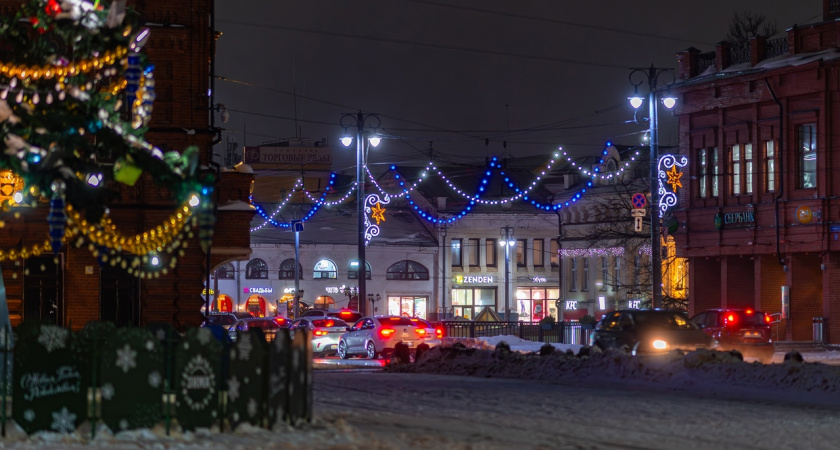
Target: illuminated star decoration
column 668, row 175
column 674, row 178
column 378, row 212
column 374, row 209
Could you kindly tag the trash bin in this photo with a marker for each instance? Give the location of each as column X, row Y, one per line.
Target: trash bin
column 819, row 329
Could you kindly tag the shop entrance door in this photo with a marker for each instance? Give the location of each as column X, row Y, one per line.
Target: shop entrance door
column 42, row 299
column 119, row 297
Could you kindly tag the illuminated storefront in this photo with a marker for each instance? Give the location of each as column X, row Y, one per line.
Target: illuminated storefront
column 408, row 305
column 534, row 303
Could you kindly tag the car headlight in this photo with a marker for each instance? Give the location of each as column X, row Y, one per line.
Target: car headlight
column 659, row 344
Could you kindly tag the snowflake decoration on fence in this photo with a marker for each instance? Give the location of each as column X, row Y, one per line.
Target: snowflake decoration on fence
column 204, row 336
column 107, row 391
column 252, row 407
column 29, row 415
column 244, row 347
column 52, row 338
column 233, row 389
column 126, row 358
column 63, row 421
column 155, row 379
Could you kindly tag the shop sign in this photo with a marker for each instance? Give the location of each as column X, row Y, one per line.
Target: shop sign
column 734, row 219
column 471, row 279
column 257, row 290
column 308, row 157
column 571, row 304
column 539, row 279
column 289, row 290
column 804, row 214
column 337, row 289
column 634, row 304
column 204, row 292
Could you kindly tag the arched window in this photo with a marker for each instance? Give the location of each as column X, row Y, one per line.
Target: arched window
column 256, row 269
column 407, row 270
column 353, row 270
column 324, row 269
column 324, row 302
column 287, row 270
column 226, row 272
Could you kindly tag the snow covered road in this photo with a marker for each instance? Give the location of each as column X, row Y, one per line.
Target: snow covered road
column 404, row 410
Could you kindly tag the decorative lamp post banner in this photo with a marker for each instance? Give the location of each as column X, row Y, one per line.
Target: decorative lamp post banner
column 669, row 179
column 375, row 211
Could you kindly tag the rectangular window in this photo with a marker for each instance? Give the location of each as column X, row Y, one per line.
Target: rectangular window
column 735, row 173
column 770, row 166
column 554, row 253
column 490, row 252
column 539, row 253
column 473, row 249
column 456, row 253
column 702, row 173
column 715, row 173
column 807, row 156
column 749, row 169
column 604, row 273
column 584, row 284
column 573, row 275
column 616, row 284
column 521, row 245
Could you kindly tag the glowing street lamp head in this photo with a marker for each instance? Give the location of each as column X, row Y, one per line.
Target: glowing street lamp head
column 669, row 102
column 375, row 140
column 346, row 141
column 636, row 101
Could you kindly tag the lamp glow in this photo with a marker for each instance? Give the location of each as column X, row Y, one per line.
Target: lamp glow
column 194, row 201
column 346, row 141
column 636, row 102
column 669, row 102
column 375, row 140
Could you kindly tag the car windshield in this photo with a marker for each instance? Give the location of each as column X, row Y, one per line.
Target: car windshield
column 395, row 321
column 666, row 320
column 329, row 323
column 265, row 324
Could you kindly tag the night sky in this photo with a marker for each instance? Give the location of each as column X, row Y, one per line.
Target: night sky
column 537, row 74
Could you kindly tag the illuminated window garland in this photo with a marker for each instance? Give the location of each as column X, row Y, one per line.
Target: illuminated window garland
column 591, row 252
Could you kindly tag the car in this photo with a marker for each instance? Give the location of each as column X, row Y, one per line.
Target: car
column 225, row 319
column 268, row 325
column 325, row 333
column 434, row 335
column 744, row 329
column 347, row 315
column 648, row 332
column 373, row 336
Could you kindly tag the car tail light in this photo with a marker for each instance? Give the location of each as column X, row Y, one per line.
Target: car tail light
column 730, row 319
column 439, row 333
column 767, row 318
column 749, row 311
column 319, row 333
column 421, row 332
column 280, row 321
column 386, row 333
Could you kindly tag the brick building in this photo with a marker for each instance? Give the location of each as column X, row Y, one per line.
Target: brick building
column 760, row 214
column 75, row 288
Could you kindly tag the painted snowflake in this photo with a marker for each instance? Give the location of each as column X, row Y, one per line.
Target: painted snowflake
column 155, row 379
column 160, row 334
column 233, row 389
column 235, row 416
column 150, row 345
column 123, row 424
column 63, row 421
column 29, row 415
column 252, row 408
column 52, row 337
column 244, row 348
column 204, row 336
column 3, row 333
column 108, row 391
column 126, row 358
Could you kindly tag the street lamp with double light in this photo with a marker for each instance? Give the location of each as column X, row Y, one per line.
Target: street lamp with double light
column 637, row 77
column 366, row 125
column 507, row 242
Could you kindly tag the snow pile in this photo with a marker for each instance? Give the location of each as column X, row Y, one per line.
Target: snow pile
column 698, row 370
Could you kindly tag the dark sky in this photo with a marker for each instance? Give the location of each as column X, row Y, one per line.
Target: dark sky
column 538, row 74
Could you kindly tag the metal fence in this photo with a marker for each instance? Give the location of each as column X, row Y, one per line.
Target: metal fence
column 132, row 378
column 571, row 332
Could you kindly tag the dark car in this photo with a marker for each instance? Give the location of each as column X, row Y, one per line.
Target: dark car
column 646, row 332
column 744, row 330
column 269, row 326
column 225, row 319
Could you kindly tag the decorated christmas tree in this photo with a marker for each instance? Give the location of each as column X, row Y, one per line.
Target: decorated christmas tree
column 76, row 96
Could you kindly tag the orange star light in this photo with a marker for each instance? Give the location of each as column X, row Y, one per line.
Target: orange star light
column 378, row 213
column 674, row 178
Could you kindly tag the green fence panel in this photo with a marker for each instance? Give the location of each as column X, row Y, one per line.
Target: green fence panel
column 196, row 379
column 279, row 352
column 247, row 384
column 132, row 380
column 48, row 393
column 300, row 378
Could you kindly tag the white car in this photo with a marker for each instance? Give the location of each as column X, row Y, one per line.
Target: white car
column 377, row 335
column 434, row 336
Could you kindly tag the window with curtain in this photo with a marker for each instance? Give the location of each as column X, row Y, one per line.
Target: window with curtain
column 807, row 135
column 456, row 253
column 584, row 284
column 573, row 274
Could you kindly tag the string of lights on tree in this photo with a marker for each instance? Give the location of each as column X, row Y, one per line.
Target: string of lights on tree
column 72, row 119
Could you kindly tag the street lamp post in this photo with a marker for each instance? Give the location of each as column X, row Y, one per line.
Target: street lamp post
column 373, row 299
column 507, row 241
column 651, row 75
column 359, row 120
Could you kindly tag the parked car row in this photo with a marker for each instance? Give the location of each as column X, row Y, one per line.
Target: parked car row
column 647, row 332
column 371, row 336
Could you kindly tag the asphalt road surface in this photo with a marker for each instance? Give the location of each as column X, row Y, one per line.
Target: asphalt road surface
column 390, row 410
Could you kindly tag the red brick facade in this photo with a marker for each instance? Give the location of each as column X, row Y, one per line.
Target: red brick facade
column 744, row 246
column 180, row 48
